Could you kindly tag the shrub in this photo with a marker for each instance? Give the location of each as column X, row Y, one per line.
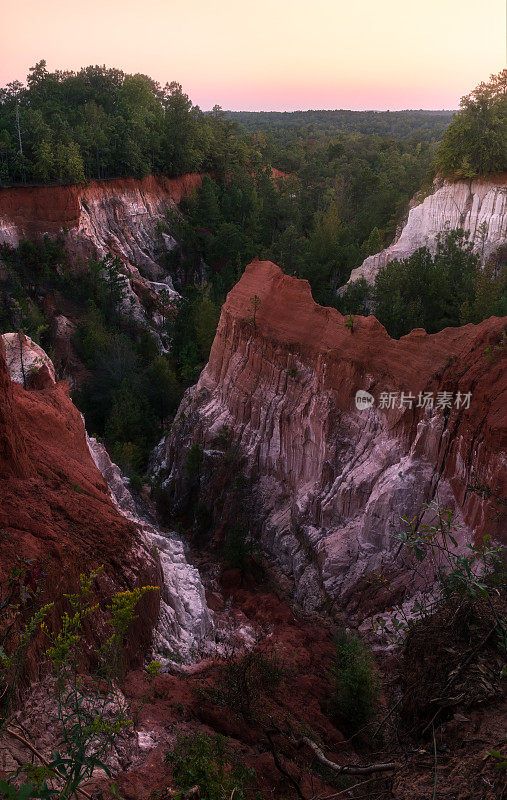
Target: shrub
column 90, row 713
column 207, row 762
column 237, row 548
column 247, row 678
column 356, row 683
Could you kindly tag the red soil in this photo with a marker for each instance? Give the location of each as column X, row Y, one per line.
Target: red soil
column 55, row 507
column 47, row 209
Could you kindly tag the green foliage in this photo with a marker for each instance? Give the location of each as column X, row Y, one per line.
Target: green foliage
column 489, row 296
column 102, row 123
column 435, row 542
column 192, row 330
column 255, row 304
column 427, row 291
column 356, row 683
column 206, row 315
column 20, row 610
column 237, row 548
column 209, row 763
column 342, row 199
column 154, row 668
column 351, row 173
column 356, row 298
column 269, row 126
column 499, row 759
column 247, row 679
column 27, row 791
column 453, row 574
column 90, row 715
column 475, row 142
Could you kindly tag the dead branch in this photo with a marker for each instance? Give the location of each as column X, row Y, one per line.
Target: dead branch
column 343, row 769
column 456, row 675
column 282, row 769
column 39, row 755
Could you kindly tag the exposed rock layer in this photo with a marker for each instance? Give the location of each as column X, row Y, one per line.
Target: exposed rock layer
column 26, row 360
column 478, row 206
column 118, row 215
column 55, row 507
column 184, row 624
column 125, row 217
column 332, row 480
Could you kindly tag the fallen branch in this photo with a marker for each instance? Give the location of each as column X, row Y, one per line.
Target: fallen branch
column 347, row 789
column 367, row 769
column 389, row 713
column 282, row 769
column 40, row 756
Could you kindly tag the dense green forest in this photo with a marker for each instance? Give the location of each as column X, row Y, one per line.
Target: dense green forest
column 433, row 292
column 424, row 124
column 103, row 123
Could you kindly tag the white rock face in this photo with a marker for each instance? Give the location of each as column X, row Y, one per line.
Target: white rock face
column 479, row 207
column 128, row 221
column 24, row 355
column 184, row 626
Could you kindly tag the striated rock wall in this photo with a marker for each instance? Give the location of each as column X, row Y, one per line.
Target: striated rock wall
column 184, row 624
column 26, row 360
column 478, row 206
column 72, row 509
column 124, row 217
column 332, row 480
column 118, row 216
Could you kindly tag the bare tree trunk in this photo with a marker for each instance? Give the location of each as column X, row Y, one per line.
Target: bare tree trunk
column 19, row 129
column 20, row 337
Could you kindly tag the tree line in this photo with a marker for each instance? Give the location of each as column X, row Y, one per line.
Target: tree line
column 101, row 123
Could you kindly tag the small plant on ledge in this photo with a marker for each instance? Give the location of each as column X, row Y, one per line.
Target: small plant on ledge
column 349, row 323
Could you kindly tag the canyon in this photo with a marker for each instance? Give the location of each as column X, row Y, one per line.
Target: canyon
column 184, row 623
column 477, row 206
column 334, row 430
column 331, row 480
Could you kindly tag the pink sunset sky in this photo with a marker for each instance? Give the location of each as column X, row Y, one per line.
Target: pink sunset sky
column 270, row 54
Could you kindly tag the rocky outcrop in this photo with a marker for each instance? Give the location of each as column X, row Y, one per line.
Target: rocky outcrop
column 118, row 216
column 478, row 206
column 332, row 479
column 13, row 455
column 27, row 362
column 82, row 464
column 123, row 217
column 184, row 627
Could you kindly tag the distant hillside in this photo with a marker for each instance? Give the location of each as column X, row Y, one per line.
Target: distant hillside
column 425, row 125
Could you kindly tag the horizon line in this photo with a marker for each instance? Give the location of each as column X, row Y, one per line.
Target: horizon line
column 348, row 110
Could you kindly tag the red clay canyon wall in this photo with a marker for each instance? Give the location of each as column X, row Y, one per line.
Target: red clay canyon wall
column 121, row 216
column 55, row 507
column 47, row 209
column 332, row 480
